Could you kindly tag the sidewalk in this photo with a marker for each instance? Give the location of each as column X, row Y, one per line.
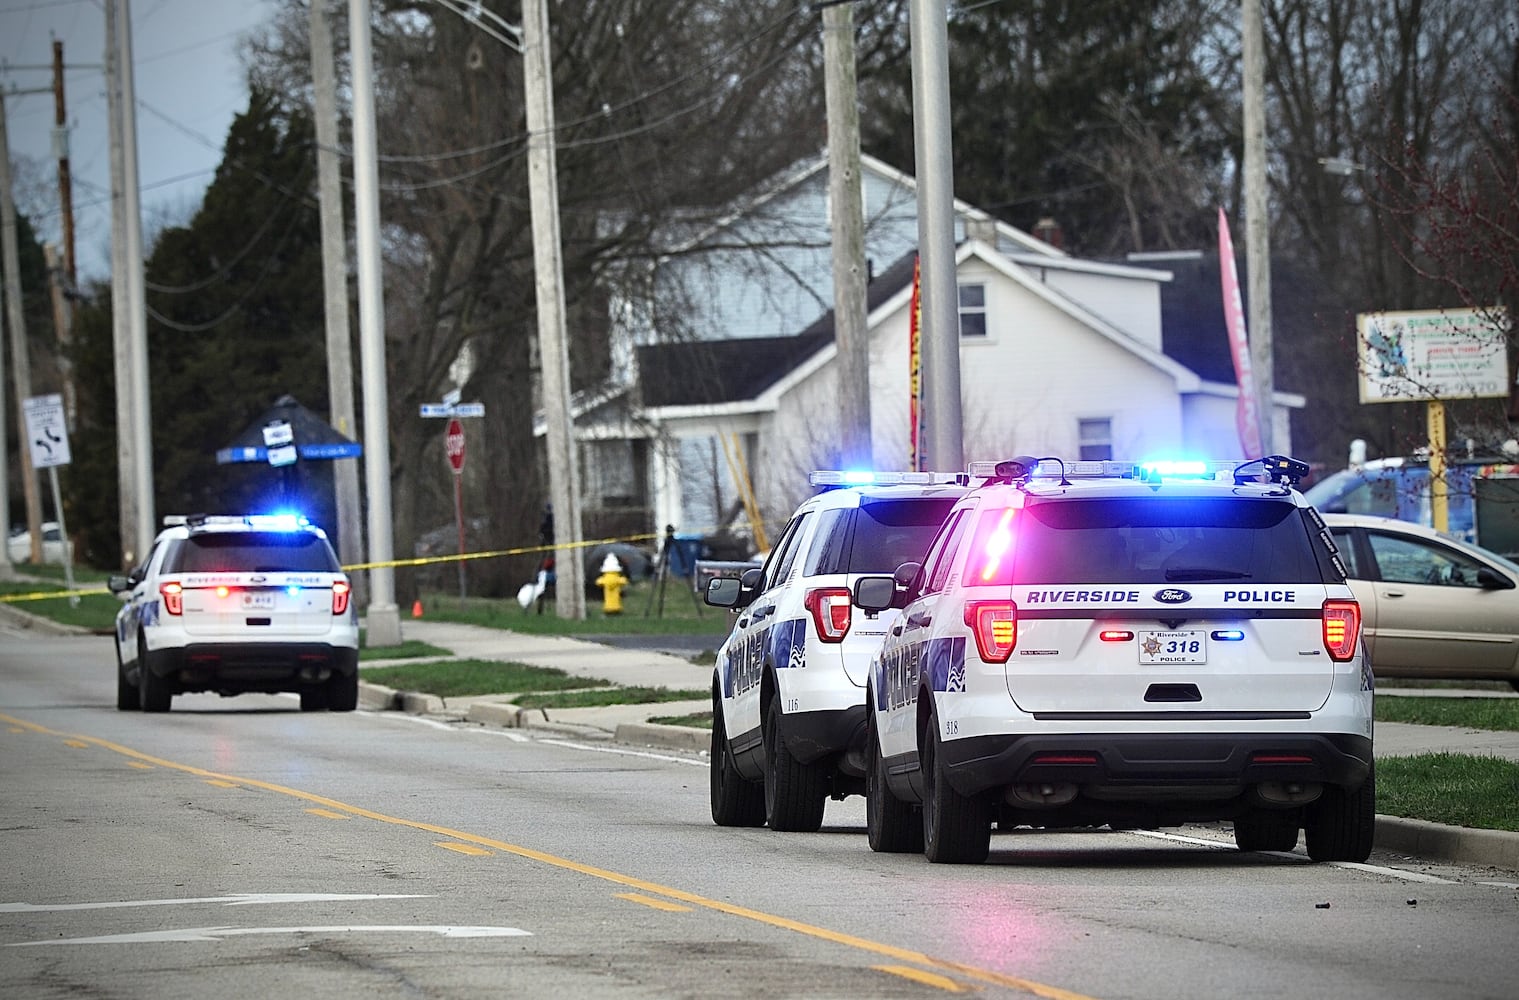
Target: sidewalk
column 629, row 723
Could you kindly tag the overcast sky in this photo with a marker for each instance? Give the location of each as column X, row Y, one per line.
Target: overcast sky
column 190, row 83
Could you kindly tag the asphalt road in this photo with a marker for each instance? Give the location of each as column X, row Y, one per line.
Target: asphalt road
column 238, row 848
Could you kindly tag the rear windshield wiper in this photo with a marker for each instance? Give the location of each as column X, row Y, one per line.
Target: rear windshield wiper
column 1195, row 574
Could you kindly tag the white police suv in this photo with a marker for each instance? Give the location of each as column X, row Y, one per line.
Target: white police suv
column 788, row 701
column 1091, row 644
column 234, row 605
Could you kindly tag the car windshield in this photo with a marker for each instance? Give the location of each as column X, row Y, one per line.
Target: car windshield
column 252, row 552
column 1138, row 540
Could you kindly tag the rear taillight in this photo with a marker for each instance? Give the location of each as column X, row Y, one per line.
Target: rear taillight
column 340, row 592
column 995, row 624
column 1342, row 626
column 831, row 612
column 174, row 598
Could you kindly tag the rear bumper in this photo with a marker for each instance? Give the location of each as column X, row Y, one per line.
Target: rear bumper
column 1178, row 761
column 264, row 666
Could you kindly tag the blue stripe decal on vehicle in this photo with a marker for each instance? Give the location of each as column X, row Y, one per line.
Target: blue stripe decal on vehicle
column 946, row 663
column 789, row 643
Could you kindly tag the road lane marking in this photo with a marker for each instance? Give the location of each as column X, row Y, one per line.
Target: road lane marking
column 652, row 888
column 139, row 765
column 469, row 849
column 626, row 753
column 76, row 744
column 926, row 978
column 327, row 814
column 236, row 899
column 218, row 933
column 1398, row 873
column 650, row 901
column 222, row 783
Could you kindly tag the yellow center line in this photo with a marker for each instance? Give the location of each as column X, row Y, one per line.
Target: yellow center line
column 140, row 765
column 470, row 849
column 328, row 813
column 926, row 978
column 617, row 878
column 658, row 904
column 223, row 782
column 76, row 744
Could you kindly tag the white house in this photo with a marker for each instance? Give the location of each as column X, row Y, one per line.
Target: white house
column 1059, row 356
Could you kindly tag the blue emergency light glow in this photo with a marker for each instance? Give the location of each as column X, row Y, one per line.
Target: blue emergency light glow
column 1229, row 635
column 293, row 590
column 859, row 477
column 1175, row 468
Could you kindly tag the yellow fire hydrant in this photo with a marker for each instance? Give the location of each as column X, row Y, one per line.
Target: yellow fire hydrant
column 611, row 581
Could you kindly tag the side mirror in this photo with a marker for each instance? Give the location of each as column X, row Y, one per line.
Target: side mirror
column 874, row 593
column 722, row 592
column 118, row 585
column 909, row 580
column 1491, row 579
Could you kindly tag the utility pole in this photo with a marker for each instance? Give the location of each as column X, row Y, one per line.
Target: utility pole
column 140, row 428
column 345, row 472
column 850, row 331
column 1257, row 220
column 563, row 465
column 21, row 365
column 384, row 620
column 936, row 236
column 65, row 275
column 65, row 182
column 121, row 334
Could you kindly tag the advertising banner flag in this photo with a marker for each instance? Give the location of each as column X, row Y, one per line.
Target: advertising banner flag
column 1247, row 410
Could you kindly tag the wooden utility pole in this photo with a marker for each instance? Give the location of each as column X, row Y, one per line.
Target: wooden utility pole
column 850, row 320
column 543, row 195
column 21, row 366
column 345, row 472
column 65, row 182
column 1257, row 218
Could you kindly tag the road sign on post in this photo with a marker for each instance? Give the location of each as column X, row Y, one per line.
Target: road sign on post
column 47, row 431
column 454, row 442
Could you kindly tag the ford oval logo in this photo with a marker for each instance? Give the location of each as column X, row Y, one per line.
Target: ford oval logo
column 1172, row 595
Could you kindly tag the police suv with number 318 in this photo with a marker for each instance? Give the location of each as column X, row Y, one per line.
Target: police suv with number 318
column 1099, row 643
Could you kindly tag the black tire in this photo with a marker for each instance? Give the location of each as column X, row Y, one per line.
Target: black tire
column 153, row 691
column 736, row 801
column 1341, row 825
column 891, row 825
column 1266, row 830
column 342, row 694
column 127, row 698
column 956, row 830
column 314, row 699
column 794, row 792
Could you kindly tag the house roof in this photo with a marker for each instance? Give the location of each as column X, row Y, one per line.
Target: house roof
column 707, row 372
column 1193, row 330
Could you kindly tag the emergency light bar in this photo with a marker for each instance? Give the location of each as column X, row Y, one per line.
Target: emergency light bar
column 856, row 477
column 265, row 522
column 1271, row 469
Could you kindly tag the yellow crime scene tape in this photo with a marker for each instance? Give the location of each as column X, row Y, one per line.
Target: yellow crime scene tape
column 356, row 567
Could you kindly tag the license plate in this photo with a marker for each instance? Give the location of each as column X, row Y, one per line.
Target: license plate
column 258, row 600
column 1187, row 646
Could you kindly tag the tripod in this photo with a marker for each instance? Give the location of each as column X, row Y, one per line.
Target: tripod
column 662, row 575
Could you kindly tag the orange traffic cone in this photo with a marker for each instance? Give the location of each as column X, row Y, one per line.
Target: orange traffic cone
column 416, row 608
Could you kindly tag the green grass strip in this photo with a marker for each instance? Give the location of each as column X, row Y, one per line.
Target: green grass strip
column 611, row 696
column 1451, row 788
column 409, row 649
column 461, row 678
column 1471, row 713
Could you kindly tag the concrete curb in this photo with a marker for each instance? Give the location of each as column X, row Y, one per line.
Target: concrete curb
column 660, row 735
column 39, row 623
column 1459, row 844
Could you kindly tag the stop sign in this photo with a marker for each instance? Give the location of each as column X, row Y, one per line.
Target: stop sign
column 454, row 443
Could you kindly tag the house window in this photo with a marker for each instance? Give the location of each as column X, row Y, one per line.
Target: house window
column 1096, row 439
column 972, row 310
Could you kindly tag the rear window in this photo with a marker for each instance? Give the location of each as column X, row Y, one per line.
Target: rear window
column 1134, row 540
column 252, row 552
column 879, row 536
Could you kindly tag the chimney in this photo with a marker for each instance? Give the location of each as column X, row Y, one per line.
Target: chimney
column 984, row 229
column 1048, row 230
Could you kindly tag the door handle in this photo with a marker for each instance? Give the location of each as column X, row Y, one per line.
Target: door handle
column 920, row 618
column 760, row 614
column 1392, row 593
column 896, row 629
